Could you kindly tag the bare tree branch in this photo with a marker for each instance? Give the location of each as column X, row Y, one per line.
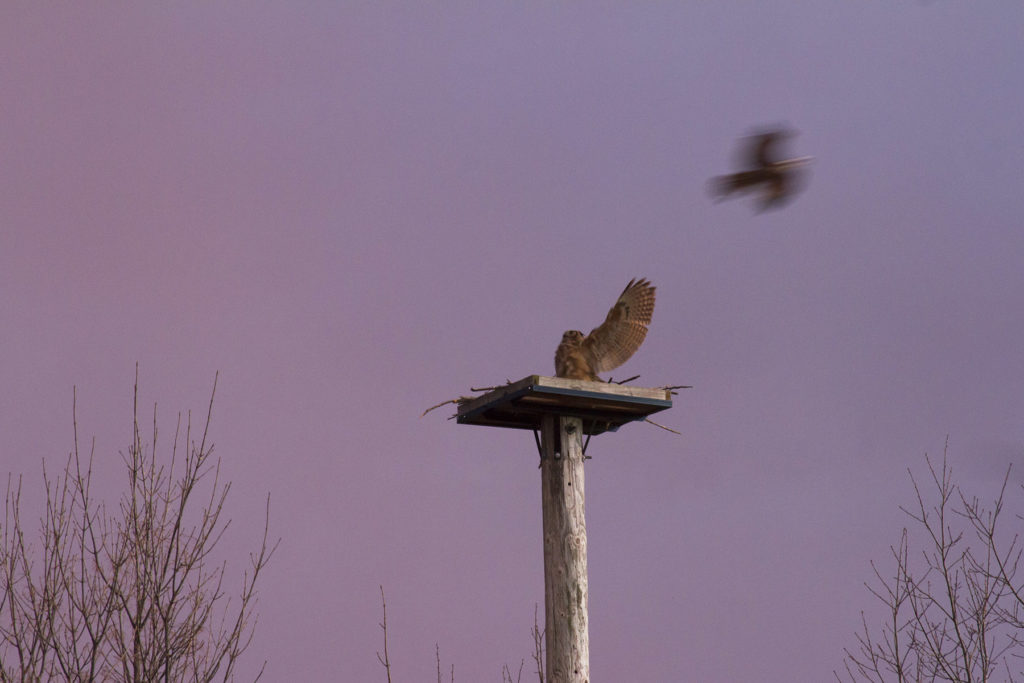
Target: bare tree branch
column 954, row 612
column 385, row 662
column 132, row 593
column 538, row 645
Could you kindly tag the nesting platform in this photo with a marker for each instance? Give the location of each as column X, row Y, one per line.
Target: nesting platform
column 602, row 407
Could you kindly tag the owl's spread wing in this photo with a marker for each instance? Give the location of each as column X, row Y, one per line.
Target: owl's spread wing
column 611, row 343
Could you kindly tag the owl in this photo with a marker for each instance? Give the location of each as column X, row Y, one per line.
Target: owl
column 777, row 180
column 611, row 343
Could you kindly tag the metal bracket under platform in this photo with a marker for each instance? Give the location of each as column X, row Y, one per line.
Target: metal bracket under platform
column 601, row 406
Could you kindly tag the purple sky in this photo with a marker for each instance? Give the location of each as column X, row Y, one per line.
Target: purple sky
column 354, row 212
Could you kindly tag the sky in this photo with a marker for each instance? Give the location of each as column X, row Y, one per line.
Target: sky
column 353, row 211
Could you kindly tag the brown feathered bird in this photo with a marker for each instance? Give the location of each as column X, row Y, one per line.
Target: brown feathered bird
column 611, row 343
column 776, row 180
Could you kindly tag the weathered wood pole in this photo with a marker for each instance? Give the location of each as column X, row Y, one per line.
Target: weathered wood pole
column 566, row 594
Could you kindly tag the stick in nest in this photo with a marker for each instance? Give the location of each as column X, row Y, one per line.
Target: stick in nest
column 667, row 429
column 460, row 399
column 463, row 399
column 507, row 382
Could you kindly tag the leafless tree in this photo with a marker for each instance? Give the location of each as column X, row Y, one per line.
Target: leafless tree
column 506, row 671
column 538, row 655
column 538, row 646
column 132, row 593
column 956, row 607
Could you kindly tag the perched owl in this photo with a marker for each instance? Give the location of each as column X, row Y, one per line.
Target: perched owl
column 611, row 343
column 777, row 180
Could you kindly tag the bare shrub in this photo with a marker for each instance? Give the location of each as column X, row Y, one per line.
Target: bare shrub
column 955, row 606
column 132, row 593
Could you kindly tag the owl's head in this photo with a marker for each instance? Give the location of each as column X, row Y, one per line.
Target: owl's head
column 572, row 337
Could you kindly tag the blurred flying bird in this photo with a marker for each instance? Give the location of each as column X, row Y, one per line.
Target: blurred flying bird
column 611, row 343
column 776, row 180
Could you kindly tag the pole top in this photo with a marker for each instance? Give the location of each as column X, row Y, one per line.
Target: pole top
column 602, row 406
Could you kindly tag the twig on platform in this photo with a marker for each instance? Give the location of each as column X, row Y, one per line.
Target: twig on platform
column 667, row 429
column 507, row 382
column 460, row 399
column 463, row 399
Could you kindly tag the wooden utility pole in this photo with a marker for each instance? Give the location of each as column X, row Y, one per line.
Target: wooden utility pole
column 563, row 411
column 566, row 594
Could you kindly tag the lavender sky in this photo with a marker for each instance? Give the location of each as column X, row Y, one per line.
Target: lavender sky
column 355, row 210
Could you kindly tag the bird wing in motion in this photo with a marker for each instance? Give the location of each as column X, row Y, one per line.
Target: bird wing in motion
column 778, row 190
column 762, row 149
column 611, row 343
column 764, row 170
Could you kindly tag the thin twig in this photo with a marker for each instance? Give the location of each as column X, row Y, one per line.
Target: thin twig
column 385, row 662
column 667, row 429
column 538, row 645
column 500, row 386
column 460, row 399
column 463, row 399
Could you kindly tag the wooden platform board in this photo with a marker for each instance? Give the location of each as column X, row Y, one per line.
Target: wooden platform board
column 603, row 407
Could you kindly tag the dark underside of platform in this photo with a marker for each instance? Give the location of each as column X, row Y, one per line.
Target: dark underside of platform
column 601, row 406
